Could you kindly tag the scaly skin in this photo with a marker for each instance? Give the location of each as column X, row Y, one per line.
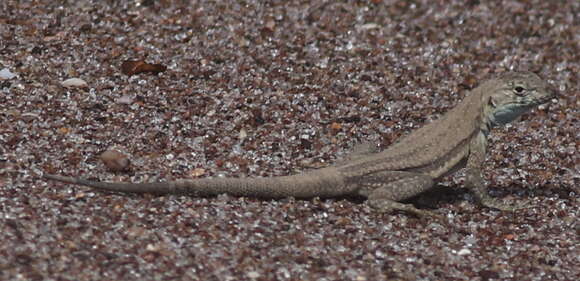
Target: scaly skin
column 412, row 165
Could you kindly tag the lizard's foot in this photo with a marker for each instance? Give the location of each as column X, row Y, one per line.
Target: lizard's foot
column 387, row 206
column 475, row 183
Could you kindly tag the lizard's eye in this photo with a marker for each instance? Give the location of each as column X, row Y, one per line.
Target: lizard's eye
column 519, row 90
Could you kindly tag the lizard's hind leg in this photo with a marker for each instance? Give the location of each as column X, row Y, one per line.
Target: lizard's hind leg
column 384, row 190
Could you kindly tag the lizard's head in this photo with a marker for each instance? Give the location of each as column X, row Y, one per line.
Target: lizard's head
column 515, row 93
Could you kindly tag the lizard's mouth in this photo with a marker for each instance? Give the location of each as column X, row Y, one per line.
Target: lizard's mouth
column 541, row 101
column 544, row 99
column 549, row 98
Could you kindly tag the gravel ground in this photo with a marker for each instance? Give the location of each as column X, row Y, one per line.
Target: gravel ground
column 243, row 88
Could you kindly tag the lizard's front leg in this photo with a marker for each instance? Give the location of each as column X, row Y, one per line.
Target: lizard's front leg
column 384, row 189
column 474, row 180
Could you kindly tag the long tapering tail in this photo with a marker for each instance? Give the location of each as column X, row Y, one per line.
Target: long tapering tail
column 327, row 182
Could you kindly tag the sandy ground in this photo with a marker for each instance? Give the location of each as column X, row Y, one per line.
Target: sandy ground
column 244, row 88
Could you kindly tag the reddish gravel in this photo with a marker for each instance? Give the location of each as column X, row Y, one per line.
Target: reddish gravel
column 241, row 88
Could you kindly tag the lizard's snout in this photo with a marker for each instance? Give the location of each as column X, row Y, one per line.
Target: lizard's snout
column 550, row 92
column 554, row 93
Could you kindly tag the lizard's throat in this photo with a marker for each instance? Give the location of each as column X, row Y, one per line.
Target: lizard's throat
column 507, row 114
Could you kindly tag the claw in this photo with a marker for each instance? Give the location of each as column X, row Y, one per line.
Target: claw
column 387, row 206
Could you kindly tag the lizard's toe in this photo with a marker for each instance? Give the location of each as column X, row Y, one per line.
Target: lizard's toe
column 387, row 206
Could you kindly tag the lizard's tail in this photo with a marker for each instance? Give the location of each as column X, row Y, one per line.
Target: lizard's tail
column 322, row 183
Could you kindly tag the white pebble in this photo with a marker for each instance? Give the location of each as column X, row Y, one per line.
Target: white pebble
column 5, row 74
column 126, row 99
column 368, row 26
column 463, row 252
column 74, row 82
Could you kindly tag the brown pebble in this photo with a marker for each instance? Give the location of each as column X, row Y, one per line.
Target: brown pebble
column 130, row 67
column 115, row 161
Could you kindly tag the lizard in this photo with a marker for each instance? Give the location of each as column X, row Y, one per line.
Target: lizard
column 410, row 166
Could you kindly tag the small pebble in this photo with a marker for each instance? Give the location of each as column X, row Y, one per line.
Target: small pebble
column 74, row 83
column 115, row 161
column 5, row 74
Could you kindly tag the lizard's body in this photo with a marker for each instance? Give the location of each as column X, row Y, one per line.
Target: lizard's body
column 458, row 139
